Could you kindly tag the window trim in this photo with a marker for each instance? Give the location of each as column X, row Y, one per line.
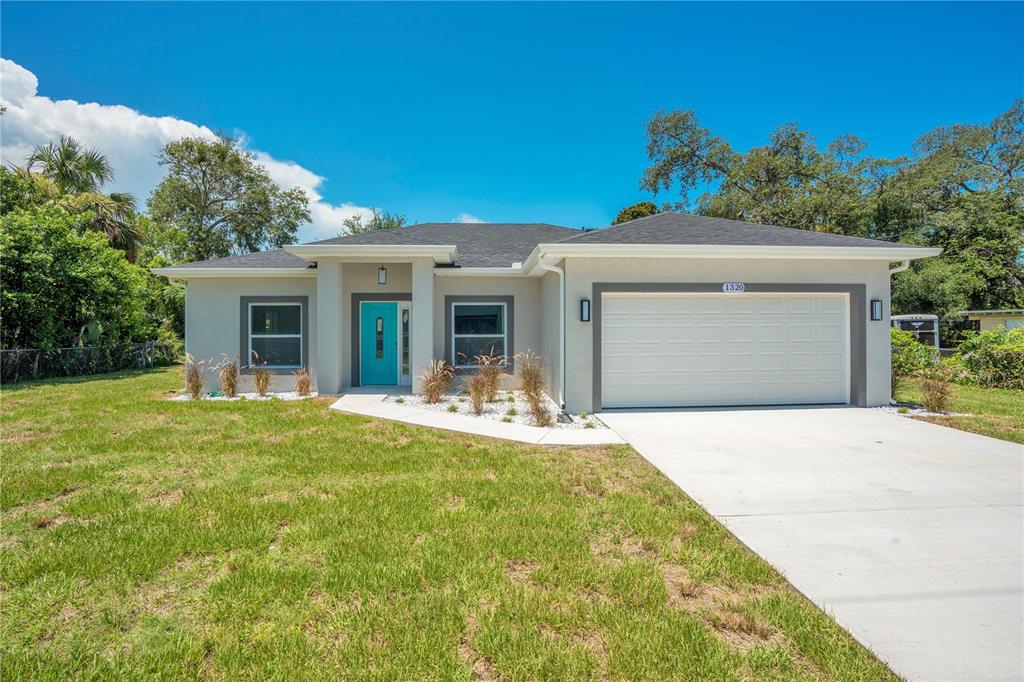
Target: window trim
column 508, row 305
column 245, row 336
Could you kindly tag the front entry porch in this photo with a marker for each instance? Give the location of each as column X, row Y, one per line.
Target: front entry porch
column 375, row 322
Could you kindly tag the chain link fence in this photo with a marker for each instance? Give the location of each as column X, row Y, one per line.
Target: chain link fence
column 27, row 364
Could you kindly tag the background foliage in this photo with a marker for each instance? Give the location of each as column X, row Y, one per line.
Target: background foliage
column 961, row 189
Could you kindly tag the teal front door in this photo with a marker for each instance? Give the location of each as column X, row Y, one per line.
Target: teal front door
column 378, row 343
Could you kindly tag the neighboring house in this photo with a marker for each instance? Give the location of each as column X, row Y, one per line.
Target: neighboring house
column 989, row 320
column 667, row 310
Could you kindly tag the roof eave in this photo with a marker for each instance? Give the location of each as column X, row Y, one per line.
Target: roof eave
column 191, row 273
column 882, row 253
column 441, row 253
column 514, row 271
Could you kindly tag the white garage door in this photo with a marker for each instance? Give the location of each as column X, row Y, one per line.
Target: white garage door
column 678, row 350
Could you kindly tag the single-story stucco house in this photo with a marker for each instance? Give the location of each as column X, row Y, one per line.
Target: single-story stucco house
column 990, row 320
column 667, row 310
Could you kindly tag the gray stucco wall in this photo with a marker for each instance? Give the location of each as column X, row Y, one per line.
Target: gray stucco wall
column 525, row 291
column 583, row 273
column 213, row 320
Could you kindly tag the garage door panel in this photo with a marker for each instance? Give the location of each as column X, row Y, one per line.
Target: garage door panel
column 831, row 333
column 800, row 332
column 799, row 305
column 831, row 361
column 724, row 349
column 772, row 306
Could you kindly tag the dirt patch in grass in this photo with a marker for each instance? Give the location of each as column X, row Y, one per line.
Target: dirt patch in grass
column 164, row 498
column 482, row 668
column 454, row 503
column 38, row 506
column 520, row 570
column 614, row 551
column 291, row 495
column 179, row 586
column 50, row 521
column 47, row 466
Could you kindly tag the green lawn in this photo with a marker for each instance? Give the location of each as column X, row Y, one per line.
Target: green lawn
column 996, row 412
column 269, row 540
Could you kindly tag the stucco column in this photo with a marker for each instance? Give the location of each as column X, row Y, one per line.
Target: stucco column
column 422, row 317
column 328, row 327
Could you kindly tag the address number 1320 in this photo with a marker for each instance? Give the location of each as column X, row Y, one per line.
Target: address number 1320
column 733, row 287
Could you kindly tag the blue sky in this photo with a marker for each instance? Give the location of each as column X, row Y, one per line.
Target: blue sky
column 529, row 112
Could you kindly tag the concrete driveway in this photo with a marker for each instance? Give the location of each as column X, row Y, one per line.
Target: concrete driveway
column 909, row 534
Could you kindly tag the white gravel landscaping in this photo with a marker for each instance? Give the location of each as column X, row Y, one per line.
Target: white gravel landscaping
column 511, row 407
column 287, row 395
column 918, row 411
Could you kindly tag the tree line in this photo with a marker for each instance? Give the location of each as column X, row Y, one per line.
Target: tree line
column 75, row 261
column 960, row 189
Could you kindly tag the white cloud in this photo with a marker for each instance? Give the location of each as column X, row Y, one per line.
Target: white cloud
column 131, row 140
column 468, row 218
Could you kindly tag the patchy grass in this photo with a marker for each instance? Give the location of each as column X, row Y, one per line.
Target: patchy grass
column 142, row 537
column 996, row 412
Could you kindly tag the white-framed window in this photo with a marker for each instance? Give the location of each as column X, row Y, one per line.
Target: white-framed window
column 478, row 329
column 275, row 335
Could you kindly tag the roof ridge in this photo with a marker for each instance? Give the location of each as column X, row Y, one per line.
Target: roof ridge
column 586, row 231
column 740, row 224
column 416, row 226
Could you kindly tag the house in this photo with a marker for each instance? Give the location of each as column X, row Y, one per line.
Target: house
column 667, row 310
column 989, row 320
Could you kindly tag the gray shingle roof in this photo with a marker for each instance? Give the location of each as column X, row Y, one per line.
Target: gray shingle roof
column 277, row 258
column 480, row 245
column 501, row 244
column 683, row 228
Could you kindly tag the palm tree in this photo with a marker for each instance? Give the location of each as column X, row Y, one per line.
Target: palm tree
column 72, row 167
column 113, row 215
column 75, row 175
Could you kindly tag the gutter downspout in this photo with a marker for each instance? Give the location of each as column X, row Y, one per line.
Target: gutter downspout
column 561, row 330
column 899, row 268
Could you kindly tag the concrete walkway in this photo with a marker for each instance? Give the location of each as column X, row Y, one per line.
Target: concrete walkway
column 372, row 405
column 908, row 533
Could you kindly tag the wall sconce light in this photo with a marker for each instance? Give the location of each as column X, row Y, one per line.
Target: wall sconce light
column 382, row 275
column 585, row 310
column 876, row 309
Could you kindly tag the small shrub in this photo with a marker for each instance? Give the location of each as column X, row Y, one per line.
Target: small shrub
column 194, row 375
column 435, row 380
column 260, row 375
column 583, row 415
column 227, row 371
column 476, row 388
column 936, row 390
column 589, row 425
column 400, row 400
column 540, row 413
column 512, row 412
column 994, row 359
column 909, row 356
column 490, row 367
column 303, row 382
column 510, row 397
column 453, row 408
column 532, row 381
column 531, row 373
column 904, row 410
column 507, row 420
